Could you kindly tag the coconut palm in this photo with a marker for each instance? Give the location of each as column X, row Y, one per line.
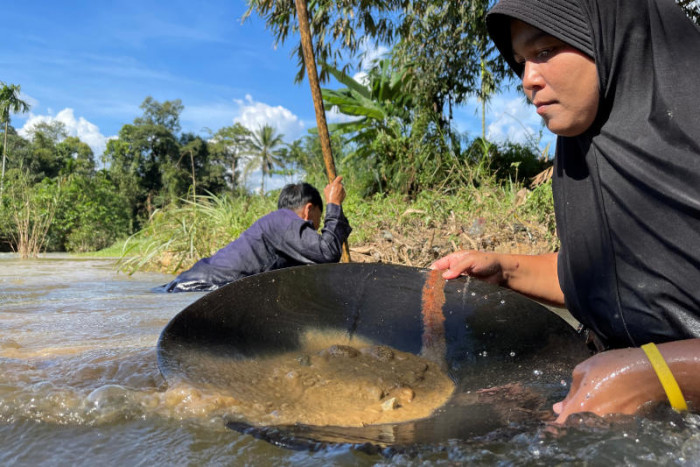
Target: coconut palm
column 264, row 147
column 9, row 103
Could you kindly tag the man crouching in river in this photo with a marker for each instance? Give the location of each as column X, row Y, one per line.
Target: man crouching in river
column 283, row 238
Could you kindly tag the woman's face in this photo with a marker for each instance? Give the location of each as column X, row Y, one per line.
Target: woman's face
column 559, row 80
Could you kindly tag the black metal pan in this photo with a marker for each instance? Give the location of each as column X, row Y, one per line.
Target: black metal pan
column 509, row 357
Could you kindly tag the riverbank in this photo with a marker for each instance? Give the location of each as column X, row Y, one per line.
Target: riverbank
column 386, row 228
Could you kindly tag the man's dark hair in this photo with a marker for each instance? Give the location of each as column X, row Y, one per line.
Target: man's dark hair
column 296, row 195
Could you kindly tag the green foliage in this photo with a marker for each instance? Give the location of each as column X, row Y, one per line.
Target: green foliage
column 227, row 146
column 336, row 27
column 441, row 40
column 508, row 161
column 691, row 8
column 263, row 145
column 393, row 144
column 9, row 103
column 448, row 53
column 540, row 206
column 305, row 157
column 75, row 157
column 383, row 106
column 165, row 115
column 42, row 158
column 145, row 159
column 27, row 212
column 179, row 235
column 90, row 216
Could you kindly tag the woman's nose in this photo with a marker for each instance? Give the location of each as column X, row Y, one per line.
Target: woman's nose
column 532, row 78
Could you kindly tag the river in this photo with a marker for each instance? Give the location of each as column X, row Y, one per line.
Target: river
column 79, row 385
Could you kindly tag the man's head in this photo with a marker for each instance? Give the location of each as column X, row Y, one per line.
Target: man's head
column 303, row 199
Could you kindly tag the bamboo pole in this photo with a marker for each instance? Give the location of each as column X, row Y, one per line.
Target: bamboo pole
column 310, row 61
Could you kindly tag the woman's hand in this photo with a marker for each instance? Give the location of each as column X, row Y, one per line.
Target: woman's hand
column 617, row 381
column 485, row 266
column 531, row 275
column 623, row 380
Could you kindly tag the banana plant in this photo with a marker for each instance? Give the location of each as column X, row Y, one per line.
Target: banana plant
column 382, row 105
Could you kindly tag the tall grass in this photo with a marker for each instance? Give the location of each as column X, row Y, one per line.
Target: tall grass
column 29, row 213
column 472, row 208
column 179, row 235
column 483, row 213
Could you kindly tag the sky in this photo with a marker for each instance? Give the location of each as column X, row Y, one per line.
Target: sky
column 91, row 64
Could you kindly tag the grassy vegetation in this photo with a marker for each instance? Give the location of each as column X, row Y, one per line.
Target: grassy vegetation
column 392, row 228
column 177, row 236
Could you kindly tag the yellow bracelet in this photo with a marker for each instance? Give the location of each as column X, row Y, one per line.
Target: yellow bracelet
column 673, row 391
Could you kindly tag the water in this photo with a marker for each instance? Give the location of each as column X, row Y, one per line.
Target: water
column 79, row 385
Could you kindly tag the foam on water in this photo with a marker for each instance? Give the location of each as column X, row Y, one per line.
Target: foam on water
column 79, row 385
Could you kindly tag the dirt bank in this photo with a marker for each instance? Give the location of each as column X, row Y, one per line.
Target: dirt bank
column 411, row 243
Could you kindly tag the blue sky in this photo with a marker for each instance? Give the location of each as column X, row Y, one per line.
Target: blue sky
column 91, row 64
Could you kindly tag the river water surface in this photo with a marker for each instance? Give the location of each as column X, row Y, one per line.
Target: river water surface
column 79, row 385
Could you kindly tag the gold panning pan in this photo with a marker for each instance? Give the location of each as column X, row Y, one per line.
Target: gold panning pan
column 507, row 357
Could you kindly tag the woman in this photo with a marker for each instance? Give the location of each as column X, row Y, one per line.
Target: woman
column 617, row 81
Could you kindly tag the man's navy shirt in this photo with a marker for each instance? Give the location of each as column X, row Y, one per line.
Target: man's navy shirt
column 277, row 240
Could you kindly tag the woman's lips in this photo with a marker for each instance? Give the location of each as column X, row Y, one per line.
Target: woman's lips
column 543, row 107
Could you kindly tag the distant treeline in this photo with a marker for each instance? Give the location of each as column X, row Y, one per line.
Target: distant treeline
column 58, row 197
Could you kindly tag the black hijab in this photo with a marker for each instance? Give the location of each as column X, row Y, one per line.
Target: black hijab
column 627, row 192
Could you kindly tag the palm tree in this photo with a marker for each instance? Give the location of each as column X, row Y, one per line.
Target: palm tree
column 264, row 147
column 9, row 103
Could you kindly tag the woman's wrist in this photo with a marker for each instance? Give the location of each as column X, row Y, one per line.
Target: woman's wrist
column 642, row 378
column 683, row 359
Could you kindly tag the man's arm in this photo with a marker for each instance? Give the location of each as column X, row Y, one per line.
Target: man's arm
column 532, row 275
column 307, row 245
column 623, row 380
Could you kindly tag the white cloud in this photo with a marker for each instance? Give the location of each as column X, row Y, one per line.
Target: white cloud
column 334, row 116
column 246, row 111
column 253, row 115
column 361, row 77
column 29, row 100
column 508, row 118
column 88, row 132
column 512, row 119
column 371, row 53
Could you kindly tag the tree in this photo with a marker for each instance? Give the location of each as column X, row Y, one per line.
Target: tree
column 30, row 212
column 335, row 26
column 166, row 114
column 90, row 215
column 44, row 159
column 203, row 169
column 144, row 157
column 10, row 103
column 227, row 146
column 383, row 105
column 263, row 146
column 305, row 156
column 395, row 143
column 447, row 49
column 75, row 157
column 445, row 44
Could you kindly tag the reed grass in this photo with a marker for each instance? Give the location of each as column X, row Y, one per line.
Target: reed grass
column 179, row 235
column 389, row 227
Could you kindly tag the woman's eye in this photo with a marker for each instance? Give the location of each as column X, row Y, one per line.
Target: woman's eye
column 544, row 54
